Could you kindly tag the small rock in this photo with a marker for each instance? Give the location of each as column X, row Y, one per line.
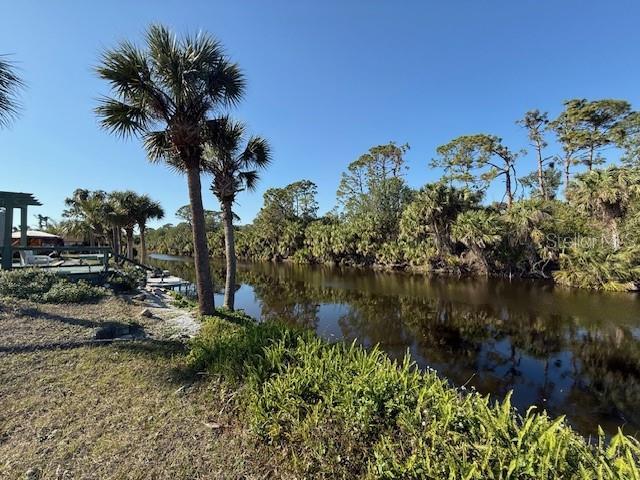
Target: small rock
column 146, row 313
column 212, row 425
column 32, row 474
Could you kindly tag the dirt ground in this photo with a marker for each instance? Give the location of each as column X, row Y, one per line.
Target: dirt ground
column 71, row 407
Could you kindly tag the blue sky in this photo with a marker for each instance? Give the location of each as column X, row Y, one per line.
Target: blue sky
column 326, row 81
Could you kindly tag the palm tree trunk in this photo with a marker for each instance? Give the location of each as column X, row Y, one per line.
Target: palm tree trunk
column 116, row 241
column 143, row 243
column 119, row 235
column 230, row 254
column 129, row 232
column 541, row 186
column 615, row 232
column 442, row 240
column 482, row 260
column 508, row 188
column 204, row 284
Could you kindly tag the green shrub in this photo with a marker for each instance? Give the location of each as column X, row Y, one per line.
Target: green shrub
column 26, row 283
column 600, row 268
column 302, row 256
column 127, row 279
column 69, row 292
column 339, row 411
column 44, row 286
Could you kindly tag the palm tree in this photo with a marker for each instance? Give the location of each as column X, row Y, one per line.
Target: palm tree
column 87, row 214
column 526, row 221
column 234, row 165
column 166, row 94
column 10, row 85
column 146, row 209
column 607, row 193
column 434, row 209
column 124, row 215
column 477, row 230
column 43, row 221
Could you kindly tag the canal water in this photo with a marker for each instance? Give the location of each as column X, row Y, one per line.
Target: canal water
column 571, row 352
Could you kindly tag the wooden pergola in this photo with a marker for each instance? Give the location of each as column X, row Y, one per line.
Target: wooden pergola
column 10, row 201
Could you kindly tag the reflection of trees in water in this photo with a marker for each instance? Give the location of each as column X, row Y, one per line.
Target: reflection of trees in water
column 375, row 320
column 561, row 362
column 572, row 363
column 286, row 301
column 611, row 360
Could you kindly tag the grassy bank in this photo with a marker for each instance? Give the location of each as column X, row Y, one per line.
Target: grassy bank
column 338, row 411
column 132, row 409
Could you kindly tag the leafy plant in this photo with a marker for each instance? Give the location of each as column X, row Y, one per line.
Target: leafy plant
column 127, row 278
column 600, row 268
column 42, row 286
column 340, row 411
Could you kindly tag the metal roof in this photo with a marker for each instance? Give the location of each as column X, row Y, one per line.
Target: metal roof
column 35, row 234
column 17, row 199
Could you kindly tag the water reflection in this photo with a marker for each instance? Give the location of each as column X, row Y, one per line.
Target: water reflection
column 575, row 353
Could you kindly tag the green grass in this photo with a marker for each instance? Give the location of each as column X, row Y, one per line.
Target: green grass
column 181, row 301
column 130, row 410
column 339, row 411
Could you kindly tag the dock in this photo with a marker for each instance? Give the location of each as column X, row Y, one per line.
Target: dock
column 167, row 281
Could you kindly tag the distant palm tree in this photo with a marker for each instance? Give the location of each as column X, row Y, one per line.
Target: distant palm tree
column 166, row 94
column 435, row 208
column 87, row 215
column 607, row 193
column 477, row 230
column 124, row 210
column 10, row 85
column 234, row 162
column 43, row 221
column 146, row 209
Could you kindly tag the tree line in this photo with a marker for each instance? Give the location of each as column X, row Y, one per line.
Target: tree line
column 587, row 239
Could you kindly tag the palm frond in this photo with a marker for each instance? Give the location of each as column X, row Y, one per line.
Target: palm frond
column 249, row 179
column 225, row 84
column 168, row 59
column 202, row 52
column 10, row 86
column 126, row 69
column 257, row 153
column 158, row 146
column 123, row 119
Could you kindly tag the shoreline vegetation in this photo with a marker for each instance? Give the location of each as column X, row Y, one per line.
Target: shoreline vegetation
column 341, row 411
column 259, row 398
column 586, row 240
column 534, row 238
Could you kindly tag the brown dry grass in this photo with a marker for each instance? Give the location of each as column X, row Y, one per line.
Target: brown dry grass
column 127, row 410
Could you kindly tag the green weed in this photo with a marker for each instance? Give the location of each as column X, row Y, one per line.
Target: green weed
column 340, row 411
